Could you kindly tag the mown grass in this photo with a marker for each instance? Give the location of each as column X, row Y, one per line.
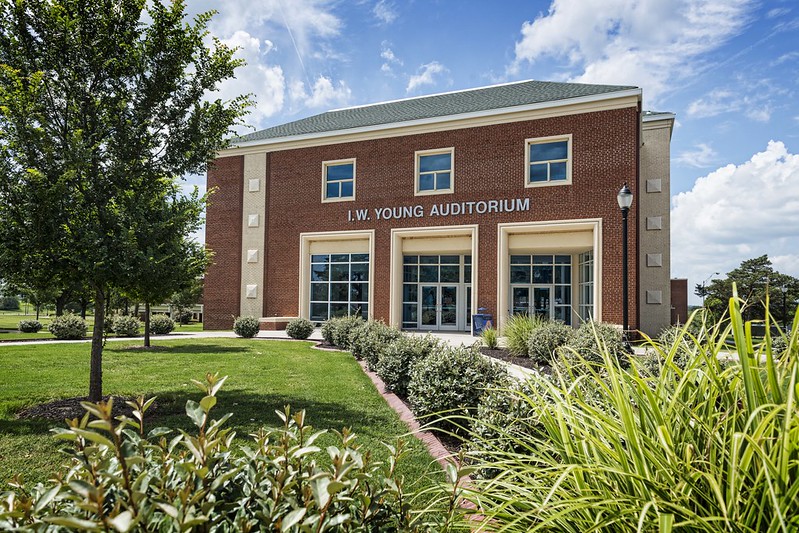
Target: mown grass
column 263, row 376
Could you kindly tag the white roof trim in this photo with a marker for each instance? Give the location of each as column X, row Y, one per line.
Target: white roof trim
column 445, row 118
column 658, row 116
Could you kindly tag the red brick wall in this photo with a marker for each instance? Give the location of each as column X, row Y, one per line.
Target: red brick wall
column 489, row 164
column 223, row 237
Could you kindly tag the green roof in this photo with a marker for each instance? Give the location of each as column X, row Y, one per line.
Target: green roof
column 439, row 105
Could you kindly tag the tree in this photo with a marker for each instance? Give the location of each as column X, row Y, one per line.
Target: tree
column 99, row 114
column 184, row 300
column 755, row 279
column 168, row 260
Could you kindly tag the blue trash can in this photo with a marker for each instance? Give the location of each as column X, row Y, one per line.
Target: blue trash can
column 481, row 321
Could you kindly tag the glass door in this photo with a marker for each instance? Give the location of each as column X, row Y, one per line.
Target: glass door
column 520, row 300
column 428, row 318
column 439, row 307
column 542, row 297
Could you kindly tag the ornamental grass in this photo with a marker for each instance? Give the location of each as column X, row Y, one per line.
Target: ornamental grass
column 712, row 446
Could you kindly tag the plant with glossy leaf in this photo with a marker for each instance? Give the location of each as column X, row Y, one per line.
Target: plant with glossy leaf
column 123, row 478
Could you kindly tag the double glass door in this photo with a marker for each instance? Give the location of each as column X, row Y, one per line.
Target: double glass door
column 439, row 306
column 534, row 301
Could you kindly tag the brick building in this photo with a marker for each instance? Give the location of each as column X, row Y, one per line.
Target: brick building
column 421, row 211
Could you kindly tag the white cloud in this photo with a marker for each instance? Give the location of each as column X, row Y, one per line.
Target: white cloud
column 701, row 157
column 738, row 212
column 264, row 81
column 390, row 60
column 648, row 43
column 385, row 11
column 427, row 75
column 754, row 99
column 324, row 93
column 777, row 12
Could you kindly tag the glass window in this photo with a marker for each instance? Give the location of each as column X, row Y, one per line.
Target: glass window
column 434, row 171
column 339, row 286
column 548, row 160
column 339, row 180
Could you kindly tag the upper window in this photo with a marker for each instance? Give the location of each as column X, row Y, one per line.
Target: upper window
column 434, row 171
column 549, row 161
column 338, row 180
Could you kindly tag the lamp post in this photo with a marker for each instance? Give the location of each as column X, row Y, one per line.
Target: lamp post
column 625, row 199
column 703, row 286
column 784, row 290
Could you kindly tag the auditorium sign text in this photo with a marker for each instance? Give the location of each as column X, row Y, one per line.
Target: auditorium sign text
column 451, row 209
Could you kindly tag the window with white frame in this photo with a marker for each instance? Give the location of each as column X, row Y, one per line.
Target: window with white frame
column 586, row 309
column 434, row 171
column 338, row 180
column 549, row 161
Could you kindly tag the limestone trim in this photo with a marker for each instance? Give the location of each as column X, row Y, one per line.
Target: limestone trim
column 572, row 236
column 354, row 241
column 462, row 239
column 252, row 236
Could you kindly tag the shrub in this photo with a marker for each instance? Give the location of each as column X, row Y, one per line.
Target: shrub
column 490, row 338
column 592, row 339
column 503, row 423
column 328, row 330
column 449, row 382
column 30, row 326
column 342, row 330
column 126, row 326
column 204, row 480
column 183, row 316
column 396, row 361
column 547, row 338
column 517, row 332
column 161, row 325
column 67, row 327
column 369, row 340
column 246, row 326
column 720, row 430
column 9, row 303
column 299, row 328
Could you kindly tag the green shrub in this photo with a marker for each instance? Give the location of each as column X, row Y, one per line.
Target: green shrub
column 449, row 383
column 161, row 325
column 490, row 338
column 126, row 326
column 246, row 326
column 370, row 339
column 299, row 328
column 396, row 361
column 712, row 448
column 592, row 339
column 183, row 316
column 517, row 330
column 547, row 338
column 328, row 330
column 68, row 327
column 504, row 422
column 342, row 330
column 123, row 477
column 9, row 303
column 30, row 326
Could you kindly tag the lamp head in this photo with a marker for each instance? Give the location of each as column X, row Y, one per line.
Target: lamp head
column 625, row 198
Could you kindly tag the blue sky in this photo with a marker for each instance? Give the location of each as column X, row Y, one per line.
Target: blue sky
column 729, row 70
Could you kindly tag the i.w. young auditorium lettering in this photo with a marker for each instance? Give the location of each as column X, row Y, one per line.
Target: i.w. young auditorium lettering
column 451, row 209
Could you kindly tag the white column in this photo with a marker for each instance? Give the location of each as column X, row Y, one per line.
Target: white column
column 252, row 235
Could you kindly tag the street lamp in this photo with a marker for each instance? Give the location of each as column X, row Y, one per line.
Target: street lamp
column 625, row 199
column 784, row 290
column 703, row 286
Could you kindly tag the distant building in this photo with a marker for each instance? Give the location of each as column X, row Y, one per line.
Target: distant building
column 421, row 211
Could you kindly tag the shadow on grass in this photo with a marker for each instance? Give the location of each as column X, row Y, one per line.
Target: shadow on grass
column 250, row 412
column 180, row 349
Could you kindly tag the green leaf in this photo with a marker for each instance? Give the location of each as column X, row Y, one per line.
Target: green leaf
column 196, row 413
column 73, row 522
column 208, row 403
column 292, row 519
column 46, row 498
column 123, row 521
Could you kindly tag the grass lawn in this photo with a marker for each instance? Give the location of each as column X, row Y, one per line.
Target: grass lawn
column 263, row 376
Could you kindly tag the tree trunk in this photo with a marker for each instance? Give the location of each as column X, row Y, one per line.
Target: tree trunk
column 96, row 370
column 84, row 304
column 37, row 311
column 147, row 324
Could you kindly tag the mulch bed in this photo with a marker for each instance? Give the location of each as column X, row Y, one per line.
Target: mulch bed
column 69, row 408
column 504, row 355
